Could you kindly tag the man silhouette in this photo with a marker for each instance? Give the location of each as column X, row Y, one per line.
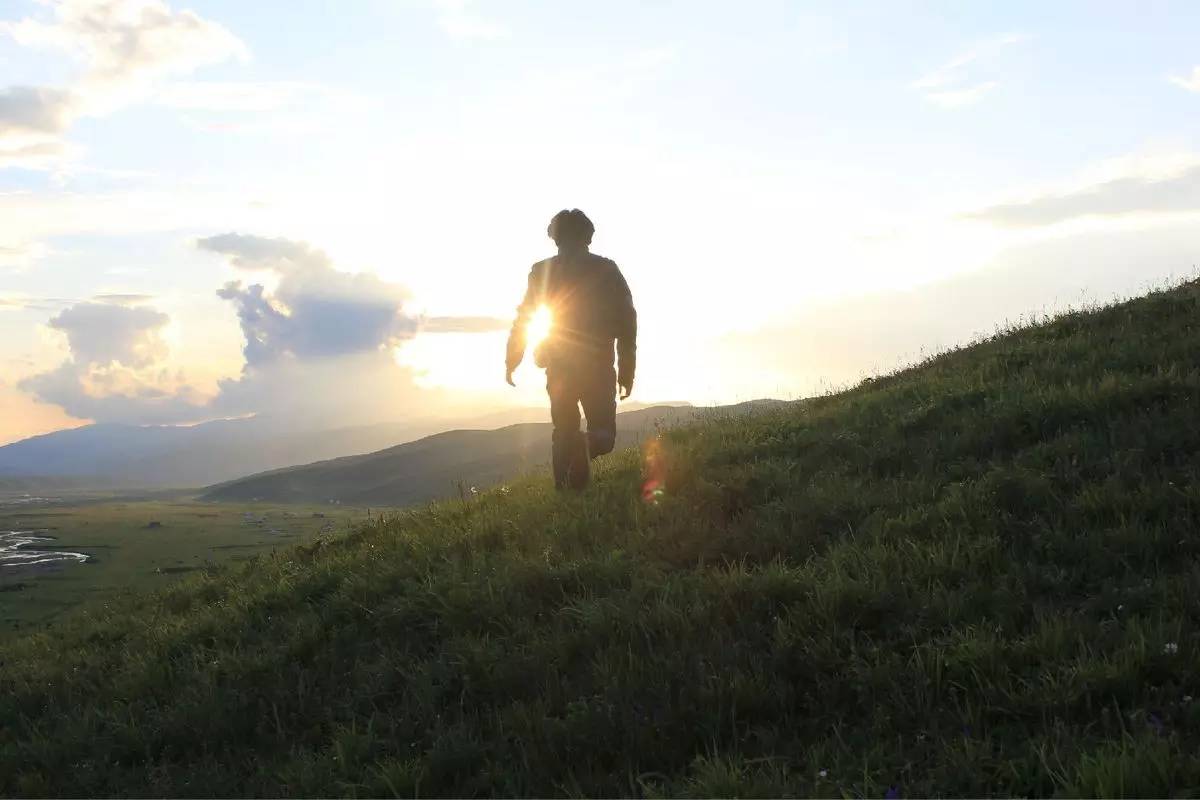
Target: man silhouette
column 590, row 307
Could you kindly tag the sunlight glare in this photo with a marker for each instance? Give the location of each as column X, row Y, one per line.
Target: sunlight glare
column 539, row 326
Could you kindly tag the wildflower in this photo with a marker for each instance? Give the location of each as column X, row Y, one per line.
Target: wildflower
column 892, row 793
column 1187, row 698
column 823, row 773
column 1156, row 723
column 1170, row 648
column 474, row 490
column 1120, row 608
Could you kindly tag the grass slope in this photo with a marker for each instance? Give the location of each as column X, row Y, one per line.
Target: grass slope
column 974, row 577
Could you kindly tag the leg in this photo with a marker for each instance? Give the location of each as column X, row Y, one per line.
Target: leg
column 566, row 438
column 600, row 407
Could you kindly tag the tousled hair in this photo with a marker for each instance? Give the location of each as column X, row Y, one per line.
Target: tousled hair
column 571, row 227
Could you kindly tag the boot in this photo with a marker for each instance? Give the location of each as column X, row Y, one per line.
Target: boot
column 579, row 466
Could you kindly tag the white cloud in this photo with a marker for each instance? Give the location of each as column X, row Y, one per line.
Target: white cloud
column 320, row 348
column 116, row 371
column 956, row 83
column 1191, row 83
column 100, row 333
column 1144, row 192
column 13, row 303
column 125, row 46
column 16, row 256
column 19, row 151
column 461, row 20
column 464, row 324
column 321, row 345
column 124, row 299
column 124, row 43
column 34, row 110
column 315, row 311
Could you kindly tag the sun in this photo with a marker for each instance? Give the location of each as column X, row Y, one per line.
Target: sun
column 539, row 326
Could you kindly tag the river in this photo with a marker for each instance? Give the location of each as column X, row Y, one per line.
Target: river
column 19, row 551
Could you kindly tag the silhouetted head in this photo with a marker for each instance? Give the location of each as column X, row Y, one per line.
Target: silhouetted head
column 571, row 230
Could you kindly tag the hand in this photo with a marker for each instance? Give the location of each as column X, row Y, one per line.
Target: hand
column 508, row 378
column 626, row 388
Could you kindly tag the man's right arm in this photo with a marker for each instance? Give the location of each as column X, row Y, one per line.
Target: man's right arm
column 516, row 337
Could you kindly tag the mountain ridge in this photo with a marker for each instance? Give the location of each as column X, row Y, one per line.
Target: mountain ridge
column 113, row 455
column 434, row 466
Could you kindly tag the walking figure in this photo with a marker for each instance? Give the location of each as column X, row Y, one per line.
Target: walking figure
column 576, row 306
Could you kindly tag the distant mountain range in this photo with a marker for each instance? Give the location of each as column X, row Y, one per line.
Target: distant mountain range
column 435, row 466
column 109, row 456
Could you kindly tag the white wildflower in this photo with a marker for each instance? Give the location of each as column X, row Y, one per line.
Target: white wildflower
column 1170, row 648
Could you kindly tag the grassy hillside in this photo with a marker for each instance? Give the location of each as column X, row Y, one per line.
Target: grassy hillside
column 427, row 469
column 975, row 577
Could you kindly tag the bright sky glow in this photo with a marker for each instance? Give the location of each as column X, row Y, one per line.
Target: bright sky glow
column 798, row 194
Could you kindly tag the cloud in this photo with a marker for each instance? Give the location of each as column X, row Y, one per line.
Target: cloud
column 123, row 299
column 325, row 392
column 460, row 20
column 34, row 111
column 99, row 334
column 315, row 311
column 115, row 395
column 129, row 42
column 1191, row 83
column 1177, row 192
column 14, row 152
column 464, row 324
column 124, row 45
column 820, row 345
column 954, row 84
column 320, row 347
column 116, row 370
column 259, row 252
column 32, row 120
column 19, row 255
column 23, row 302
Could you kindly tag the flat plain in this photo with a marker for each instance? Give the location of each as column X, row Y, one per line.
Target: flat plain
column 140, row 545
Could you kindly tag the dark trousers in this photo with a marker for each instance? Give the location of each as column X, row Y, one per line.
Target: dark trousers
column 593, row 387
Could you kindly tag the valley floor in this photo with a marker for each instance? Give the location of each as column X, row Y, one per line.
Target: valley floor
column 56, row 555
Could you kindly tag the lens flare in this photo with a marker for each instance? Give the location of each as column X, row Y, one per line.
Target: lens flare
column 654, row 487
column 539, row 325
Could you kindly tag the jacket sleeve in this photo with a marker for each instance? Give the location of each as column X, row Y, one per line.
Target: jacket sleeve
column 516, row 337
column 625, row 317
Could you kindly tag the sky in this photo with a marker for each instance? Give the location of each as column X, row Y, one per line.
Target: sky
column 325, row 212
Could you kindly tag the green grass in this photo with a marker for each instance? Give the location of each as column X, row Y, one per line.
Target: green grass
column 129, row 554
column 975, row 577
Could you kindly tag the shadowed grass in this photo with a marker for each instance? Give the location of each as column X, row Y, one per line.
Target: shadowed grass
column 973, row 577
